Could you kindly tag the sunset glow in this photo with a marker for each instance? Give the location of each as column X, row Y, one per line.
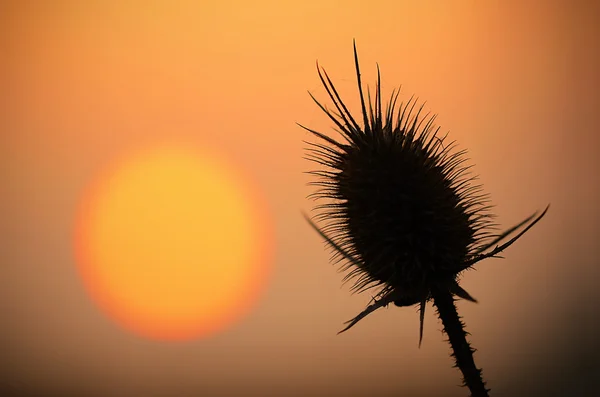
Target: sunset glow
column 172, row 244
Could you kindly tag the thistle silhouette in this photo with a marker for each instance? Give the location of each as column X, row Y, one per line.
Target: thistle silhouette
column 402, row 212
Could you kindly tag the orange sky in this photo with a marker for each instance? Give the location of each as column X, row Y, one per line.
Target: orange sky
column 84, row 83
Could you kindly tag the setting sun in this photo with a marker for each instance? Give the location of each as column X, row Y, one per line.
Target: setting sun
column 173, row 243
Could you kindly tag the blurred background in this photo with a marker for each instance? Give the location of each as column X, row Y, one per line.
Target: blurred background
column 84, row 83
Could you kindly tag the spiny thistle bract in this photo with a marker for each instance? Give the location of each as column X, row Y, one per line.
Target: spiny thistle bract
column 401, row 210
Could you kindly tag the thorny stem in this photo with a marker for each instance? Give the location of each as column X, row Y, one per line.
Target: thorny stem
column 462, row 350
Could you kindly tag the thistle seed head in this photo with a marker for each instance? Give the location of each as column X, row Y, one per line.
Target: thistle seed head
column 400, row 199
column 398, row 202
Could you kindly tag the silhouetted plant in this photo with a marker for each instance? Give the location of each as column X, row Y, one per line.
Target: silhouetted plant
column 402, row 212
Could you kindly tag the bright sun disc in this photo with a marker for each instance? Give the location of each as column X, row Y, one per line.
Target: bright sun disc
column 173, row 244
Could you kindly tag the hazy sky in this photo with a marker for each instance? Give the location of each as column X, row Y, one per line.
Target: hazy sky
column 85, row 83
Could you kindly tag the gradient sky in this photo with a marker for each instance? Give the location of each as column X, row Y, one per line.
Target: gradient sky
column 84, row 83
